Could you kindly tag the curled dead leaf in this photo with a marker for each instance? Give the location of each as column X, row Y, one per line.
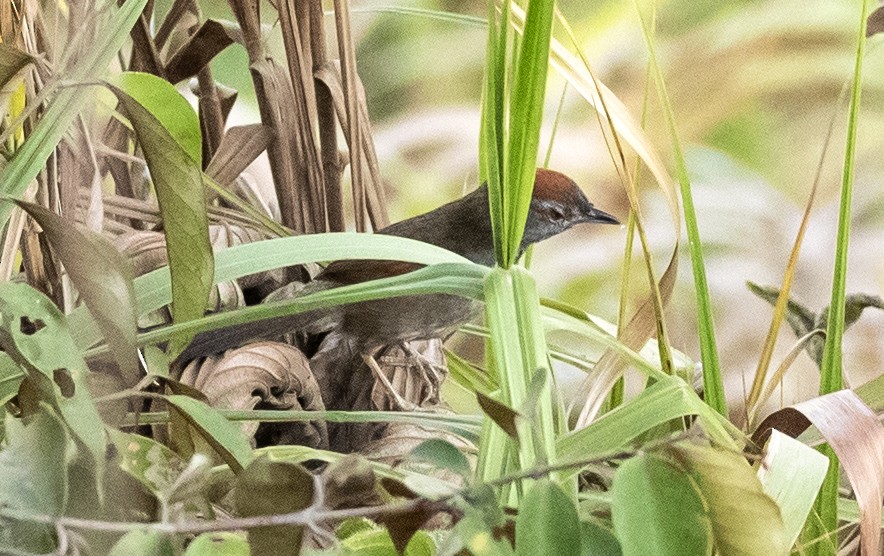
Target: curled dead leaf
column 857, row 437
column 263, row 375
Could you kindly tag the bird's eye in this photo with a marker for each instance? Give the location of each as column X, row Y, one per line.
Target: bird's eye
column 556, row 213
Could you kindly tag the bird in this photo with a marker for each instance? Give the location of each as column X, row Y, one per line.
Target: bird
column 462, row 226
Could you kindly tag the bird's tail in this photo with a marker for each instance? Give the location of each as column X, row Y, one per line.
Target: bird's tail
column 217, row 341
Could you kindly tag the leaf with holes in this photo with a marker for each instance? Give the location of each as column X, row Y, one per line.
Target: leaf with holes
column 34, row 333
column 104, row 280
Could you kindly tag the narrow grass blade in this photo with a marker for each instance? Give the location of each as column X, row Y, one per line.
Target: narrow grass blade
column 30, row 158
column 830, row 373
column 713, row 383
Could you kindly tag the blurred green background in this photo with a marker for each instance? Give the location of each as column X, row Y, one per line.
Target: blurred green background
column 753, row 84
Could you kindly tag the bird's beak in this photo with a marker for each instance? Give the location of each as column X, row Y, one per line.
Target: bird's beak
column 595, row 215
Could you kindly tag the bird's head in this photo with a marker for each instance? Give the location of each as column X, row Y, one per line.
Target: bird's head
column 557, row 205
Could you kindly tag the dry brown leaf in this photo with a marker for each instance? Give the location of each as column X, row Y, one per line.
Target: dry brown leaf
column 263, row 375
column 277, row 111
column 330, row 76
column 875, row 22
column 857, row 437
column 209, row 40
column 239, row 147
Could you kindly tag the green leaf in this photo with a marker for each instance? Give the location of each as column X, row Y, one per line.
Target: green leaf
column 168, row 132
column 273, row 487
column 223, row 436
column 103, row 278
column 34, row 333
column 547, row 522
column 33, row 465
column 142, row 543
column 455, row 279
column 596, row 540
column 737, row 505
column 165, row 103
column 443, row 455
column 526, row 116
column 792, row 473
column 657, row 509
column 669, row 398
column 67, row 103
column 218, row 544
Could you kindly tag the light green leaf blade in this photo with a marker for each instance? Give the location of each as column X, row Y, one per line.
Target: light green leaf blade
column 153, row 290
column 792, row 473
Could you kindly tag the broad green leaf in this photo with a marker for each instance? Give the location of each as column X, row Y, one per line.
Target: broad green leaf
column 443, row 455
column 223, row 436
column 35, row 334
column 657, row 509
column 547, row 522
column 67, row 103
column 737, row 506
column 596, row 540
column 103, row 278
column 168, row 132
column 218, row 544
column 143, row 543
column 268, row 487
column 33, row 465
column 792, row 473
column 165, row 103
